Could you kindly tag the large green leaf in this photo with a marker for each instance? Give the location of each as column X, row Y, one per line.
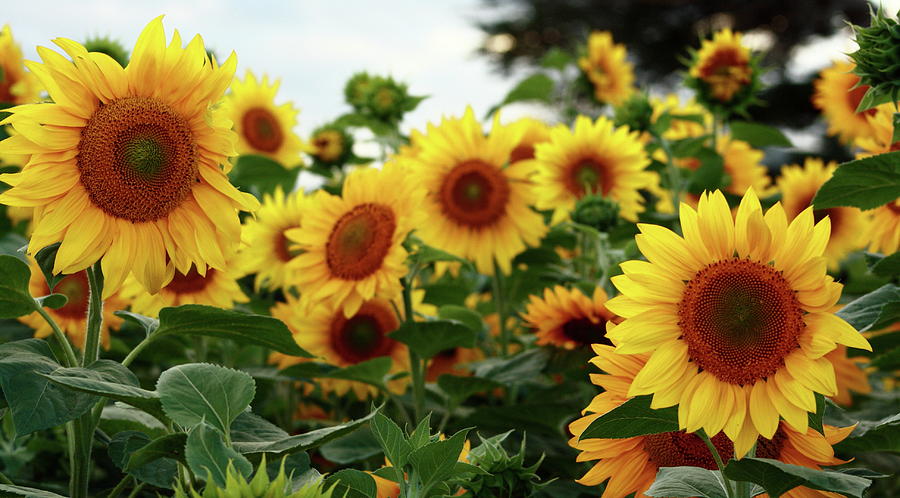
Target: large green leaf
column 370, row 371
column 522, row 367
column 117, row 418
column 10, row 490
column 873, row 310
column 208, row 456
column 15, row 299
column 196, row 392
column 864, row 183
column 631, row 419
column 159, row 472
column 392, row 440
column 301, row 442
column 46, row 259
column 356, row 446
column 169, row 446
column 880, row 435
column 459, row 388
column 430, row 338
column 435, row 461
column 351, row 483
column 778, row 478
column 250, row 427
column 261, row 175
column 686, row 482
column 758, row 135
column 537, row 87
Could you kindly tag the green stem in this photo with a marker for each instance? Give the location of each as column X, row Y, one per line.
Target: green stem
column 137, row 489
column 136, row 351
column 70, row 359
column 399, row 404
column 95, row 316
column 729, row 490
column 500, row 307
column 674, row 175
column 119, row 487
column 4, row 479
column 416, row 364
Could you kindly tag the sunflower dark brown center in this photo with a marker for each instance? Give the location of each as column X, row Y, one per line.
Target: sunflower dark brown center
column 6, row 84
column 836, row 215
column 329, row 145
column 521, row 153
column 584, row 331
column 475, row 194
column 740, row 319
column 262, row 130
column 588, row 175
column 75, row 288
column 675, row 449
column 191, row 282
column 360, row 240
column 283, row 245
column 363, row 336
column 137, row 159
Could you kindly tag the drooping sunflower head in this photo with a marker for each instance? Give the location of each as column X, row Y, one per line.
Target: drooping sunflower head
column 608, row 69
column 352, row 245
column 723, row 73
column 594, row 157
column 798, row 186
column 331, row 145
column 213, row 287
column 127, row 164
column 630, row 464
column 262, row 127
column 567, row 318
column 736, row 310
column 17, row 86
column 880, row 137
column 884, row 230
column 267, row 250
column 478, row 206
column 838, row 94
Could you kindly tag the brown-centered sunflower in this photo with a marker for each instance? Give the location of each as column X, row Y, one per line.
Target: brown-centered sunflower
column 266, row 250
column 607, row 68
column 127, row 163
column 352, row 246
column 722, row 71
column 452, row 362
column 838, row 94
column 737, row 316
column 217, row 288
column 478, row 206
column 17, row 86
column 883, row 234
column 567, row 318
column 629, row 465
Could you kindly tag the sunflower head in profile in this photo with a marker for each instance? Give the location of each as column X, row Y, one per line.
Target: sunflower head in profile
column 17, row 86
column 606, row 66
column 72, row 316
column 266, row 249
column 327, row 332
column 213, row 287
column 838, row 94
column 262, row 127
column 352, row 246
column 594, row 157
column 798, row 186
column 880, row 136
column 630, row 464
column 478, row 206
column 127, row 164
column 737, row 310
column 567, row 318
column 723, row 73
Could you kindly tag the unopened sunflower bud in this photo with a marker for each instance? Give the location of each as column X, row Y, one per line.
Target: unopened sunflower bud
column 357, row 88
column 635, row 112
column 878, row 58
column 109, row 47
column 596, row 211
column 332, row 145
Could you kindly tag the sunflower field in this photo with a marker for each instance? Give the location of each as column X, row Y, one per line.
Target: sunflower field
column 625, row 301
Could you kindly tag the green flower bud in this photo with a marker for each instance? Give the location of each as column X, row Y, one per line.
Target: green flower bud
column 236, row 486
column 357, row 88
column 878, row 58
column 635, row 112
column 109, row 47
column 332, row 145
column 596, row 211
column 386, row 99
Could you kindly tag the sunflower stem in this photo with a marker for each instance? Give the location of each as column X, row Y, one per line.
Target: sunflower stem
column 94, row 317
column 729, row 490
column 500, row 308
column 416, row 365
column 69, row 359
column 136, row 351
column 119, row 487
column 674, row 176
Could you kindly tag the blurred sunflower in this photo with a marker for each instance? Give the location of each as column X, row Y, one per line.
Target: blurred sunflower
column 722, row 67
column 594, row 157
column 535, row 132
column 17, row 86
column 72, row 316
column 567, row 318
column 331, row 145
column 352, row 246
column 126, row 164
column 327, row 332
column 849, row 375
column 262, row 127
column 880, row 136
column 737, row 316
column 630, row 464
column 799, row 184
column 450, row 362
column 217, row 288
column 477, row 207
column 267, row 251
column 607, row 68
column 837, row 96
column 884, row 230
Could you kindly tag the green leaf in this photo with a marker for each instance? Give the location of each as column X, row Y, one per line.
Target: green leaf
column 435, row 461
column 111, row 380
column 8, row 490
column 556, row 58
column 873, row 98
column 778, row 478
column 815, row 419
column 392, row 440
column 148, row 323
column 678, row 482
column 468, row 468
column 207, row 455
column 871, row 311
column 710, row 173
column 886, row 266
column 461, row 314
column 895, row 137
column 430, row 338
column 535, row 87
column 351, row 483
column 864, row 183
column 458, row 388
column 426, row 254
column 249, row 427
column 301, row 442
column 515, row 369
column 632, row 418
column 880, row 435
column 246, row 328
column 688, row 147
column 196, row 392
column 356, row 446
column 370, row 371
column 118, row 418
column 11, row 243
column 422, row 433
column 160, row 472
column 758, row 135
column 170, row 446
column 52, row 301
column 46, row 258
column 261, row 175
column 887, row 361
column 15, row 299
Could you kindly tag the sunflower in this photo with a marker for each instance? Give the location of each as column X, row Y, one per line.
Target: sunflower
column 327, row 332
column 737, row 311
column 126, row 164
column 681, row 128
column 266, row 249
column 837, row 96
column 723, row 66
column 631, row 464
column 17, row 86
column 71, row 317
column 849, row 375
column 331, row 145
column 799, row 185
column 880, row 136
column 884, row 230
column 262, row 127
column 217, row 288
column 535, row 132
column 477, row 208
column 606, row 67
column 594, row 157
column 352, row 245
column 449, row 362
column 385, row 488
column 567, row 318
